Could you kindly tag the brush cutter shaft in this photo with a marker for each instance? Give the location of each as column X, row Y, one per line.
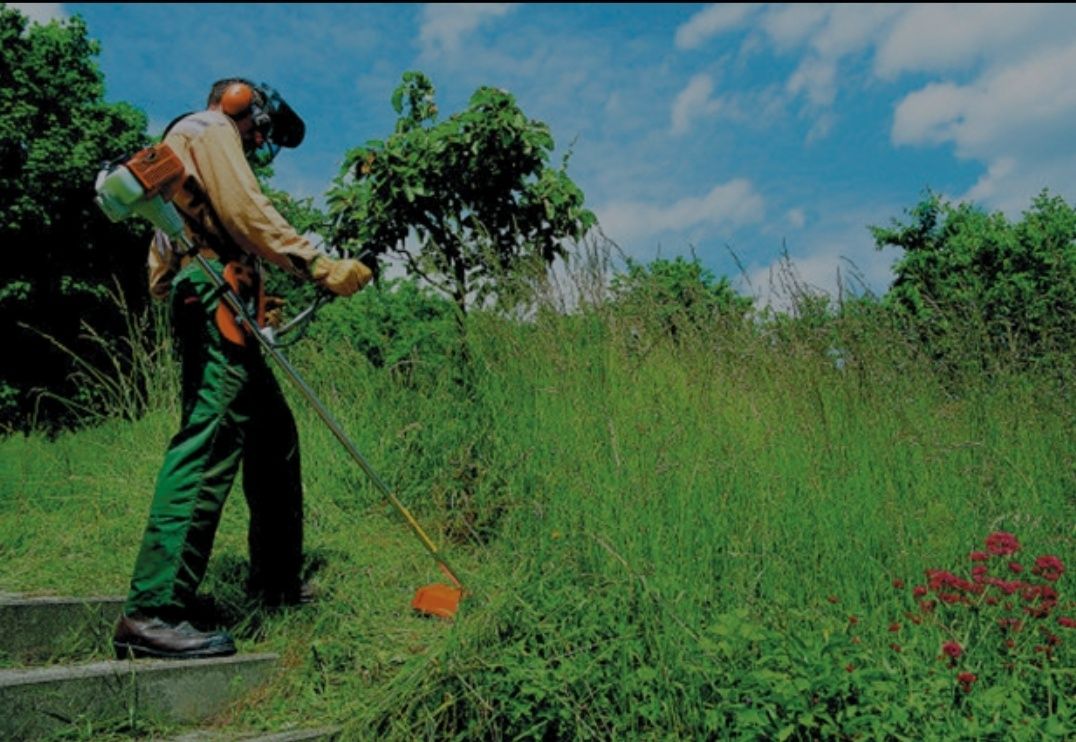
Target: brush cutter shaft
column 236, row 306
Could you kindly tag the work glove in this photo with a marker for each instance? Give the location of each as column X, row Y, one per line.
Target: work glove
column 342, row 277
column 274, row 311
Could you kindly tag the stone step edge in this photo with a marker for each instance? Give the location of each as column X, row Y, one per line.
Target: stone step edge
column 36, row 626
column 43, row 700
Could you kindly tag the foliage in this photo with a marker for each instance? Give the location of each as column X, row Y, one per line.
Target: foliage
column 396, row 324
column 678, row 294
column 671, row 528
column 485, row 210
column 62, row 255
column 978, row 287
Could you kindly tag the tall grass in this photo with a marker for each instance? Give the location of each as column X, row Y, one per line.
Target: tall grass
column 661, row 536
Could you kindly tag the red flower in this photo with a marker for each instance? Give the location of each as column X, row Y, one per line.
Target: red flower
column 898, row 583
column 853, row 620
column 966, row 679
column 978, row 556
column 1068, row 623
column 895, row 627
column 1010, row 624
column 939, row 578
column 1016, row 567
column 833, row 599
column 1039, row 611
column 895, row 647
column 1049, row 568
column 849, row 667
column 979, row 571
column 919, row 591
column 927, row 605
column 1004, row 586
column 952, row 650
column 1001, row 543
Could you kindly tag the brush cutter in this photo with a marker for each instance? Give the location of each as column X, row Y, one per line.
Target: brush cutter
column 144, row 185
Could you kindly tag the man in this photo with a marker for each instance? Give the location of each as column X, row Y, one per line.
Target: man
column 233, row 410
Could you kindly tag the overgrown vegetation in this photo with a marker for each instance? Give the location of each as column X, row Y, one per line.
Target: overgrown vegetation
column 678, row 515
column 980, row 290
column 63, row 259
column 689, row 535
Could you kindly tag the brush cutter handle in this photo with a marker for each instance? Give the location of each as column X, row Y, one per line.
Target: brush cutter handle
column 236, row 305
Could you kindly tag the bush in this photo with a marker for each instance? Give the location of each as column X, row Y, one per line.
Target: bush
column 395, row 323
column 676, row 296
column 978, row 288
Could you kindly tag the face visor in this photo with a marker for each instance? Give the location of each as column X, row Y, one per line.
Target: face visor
column 276, row 122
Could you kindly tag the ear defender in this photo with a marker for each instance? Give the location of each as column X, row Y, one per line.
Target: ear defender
column 237, row 99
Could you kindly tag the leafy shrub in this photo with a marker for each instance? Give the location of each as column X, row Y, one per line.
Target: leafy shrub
column 395, row 323
column 977, row 287
column 676, row 296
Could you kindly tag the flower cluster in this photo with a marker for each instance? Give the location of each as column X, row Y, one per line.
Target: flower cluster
column 994, row 607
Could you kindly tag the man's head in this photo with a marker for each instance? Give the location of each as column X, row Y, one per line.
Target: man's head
column 265, row 121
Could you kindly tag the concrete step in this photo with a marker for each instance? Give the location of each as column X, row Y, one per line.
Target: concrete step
column 36, row 628
column 46, row 700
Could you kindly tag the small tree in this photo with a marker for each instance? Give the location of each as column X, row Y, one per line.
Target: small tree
column 468, row 204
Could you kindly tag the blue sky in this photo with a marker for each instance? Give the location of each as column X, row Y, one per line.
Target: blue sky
column 750, row 128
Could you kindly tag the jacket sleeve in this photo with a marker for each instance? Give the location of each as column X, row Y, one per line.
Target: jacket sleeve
column 244, row 211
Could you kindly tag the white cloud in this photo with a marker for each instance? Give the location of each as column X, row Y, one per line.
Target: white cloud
column 1016, row 119
column 790, row 26
column 727, row 205
column 946, row 37
column 41, row 12
column 830, row 33
column 796, row 218
column 818, row 77
column 1006, row 109
column 445, row 25
column 712, row 21
column 848, row 29
column 692, row 103
column 998, row 79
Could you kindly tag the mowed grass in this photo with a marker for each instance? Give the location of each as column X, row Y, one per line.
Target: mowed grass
column 693, row 536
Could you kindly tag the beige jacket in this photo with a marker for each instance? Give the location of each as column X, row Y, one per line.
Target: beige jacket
column 223, row 204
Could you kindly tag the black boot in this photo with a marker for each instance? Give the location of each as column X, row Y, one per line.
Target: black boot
column 142, row 636
column 277, row 597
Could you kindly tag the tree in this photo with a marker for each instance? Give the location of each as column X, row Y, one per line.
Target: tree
column 968, row 276
column 474, row 192
column 62, row 257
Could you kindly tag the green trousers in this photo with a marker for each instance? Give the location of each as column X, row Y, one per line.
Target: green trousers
column 233, row 414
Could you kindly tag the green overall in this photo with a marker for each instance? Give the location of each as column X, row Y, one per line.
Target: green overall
column 233, row 412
